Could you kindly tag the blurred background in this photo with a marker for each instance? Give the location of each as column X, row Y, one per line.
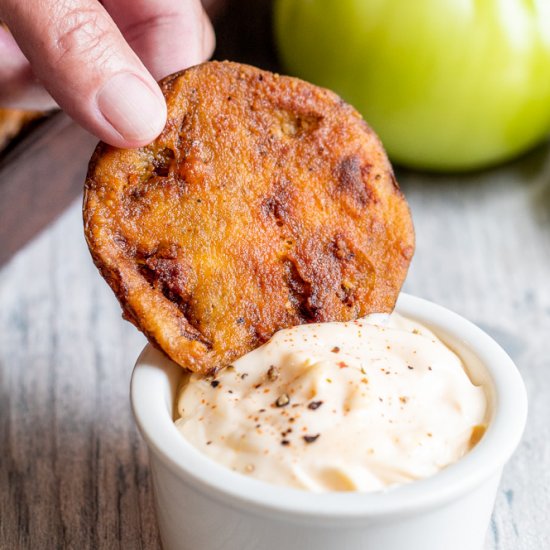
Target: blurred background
column 459, row 92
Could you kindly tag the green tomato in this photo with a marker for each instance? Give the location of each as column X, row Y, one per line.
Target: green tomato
column 447, row 84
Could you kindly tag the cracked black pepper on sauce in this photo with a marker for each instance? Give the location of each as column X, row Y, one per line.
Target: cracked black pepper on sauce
column 313, row 401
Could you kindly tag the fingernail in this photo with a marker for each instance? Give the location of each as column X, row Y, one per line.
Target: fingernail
column 132, row 108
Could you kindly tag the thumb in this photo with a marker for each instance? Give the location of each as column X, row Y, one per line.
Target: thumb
column 82, row 59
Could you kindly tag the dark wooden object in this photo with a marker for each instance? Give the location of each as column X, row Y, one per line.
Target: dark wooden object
column 39, row 178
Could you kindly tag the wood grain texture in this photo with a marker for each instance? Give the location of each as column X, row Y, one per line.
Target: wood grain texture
column 39, row 178
column 73, row 470
column 483, row 250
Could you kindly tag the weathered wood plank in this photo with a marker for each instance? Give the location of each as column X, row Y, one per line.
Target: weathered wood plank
column 73, row 470
column 483, row 249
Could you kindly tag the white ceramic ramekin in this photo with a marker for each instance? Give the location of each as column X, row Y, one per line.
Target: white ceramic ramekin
column 202, row 505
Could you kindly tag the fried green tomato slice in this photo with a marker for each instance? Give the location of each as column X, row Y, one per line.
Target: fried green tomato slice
column 266, row 202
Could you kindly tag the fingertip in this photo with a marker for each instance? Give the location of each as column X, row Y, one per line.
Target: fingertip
column 208, row 37
column 134, row 110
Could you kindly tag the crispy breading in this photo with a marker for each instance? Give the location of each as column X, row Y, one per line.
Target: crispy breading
column 266, row 202
column 12, row 121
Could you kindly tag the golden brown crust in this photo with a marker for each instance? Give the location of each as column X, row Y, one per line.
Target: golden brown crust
column 266, row 202
column 12, row 121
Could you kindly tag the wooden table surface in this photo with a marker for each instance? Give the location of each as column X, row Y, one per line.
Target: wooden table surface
column 73, row 469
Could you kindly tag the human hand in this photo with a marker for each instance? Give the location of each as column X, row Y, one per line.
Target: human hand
column 100, row 61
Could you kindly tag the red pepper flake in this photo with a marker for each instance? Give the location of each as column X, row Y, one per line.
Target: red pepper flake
column 342, row 365
column 311, row 438
column 285, row 442
column 314, row 405
column 335, row 349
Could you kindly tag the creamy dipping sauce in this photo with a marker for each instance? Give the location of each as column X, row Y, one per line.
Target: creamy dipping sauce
column 357, row 406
